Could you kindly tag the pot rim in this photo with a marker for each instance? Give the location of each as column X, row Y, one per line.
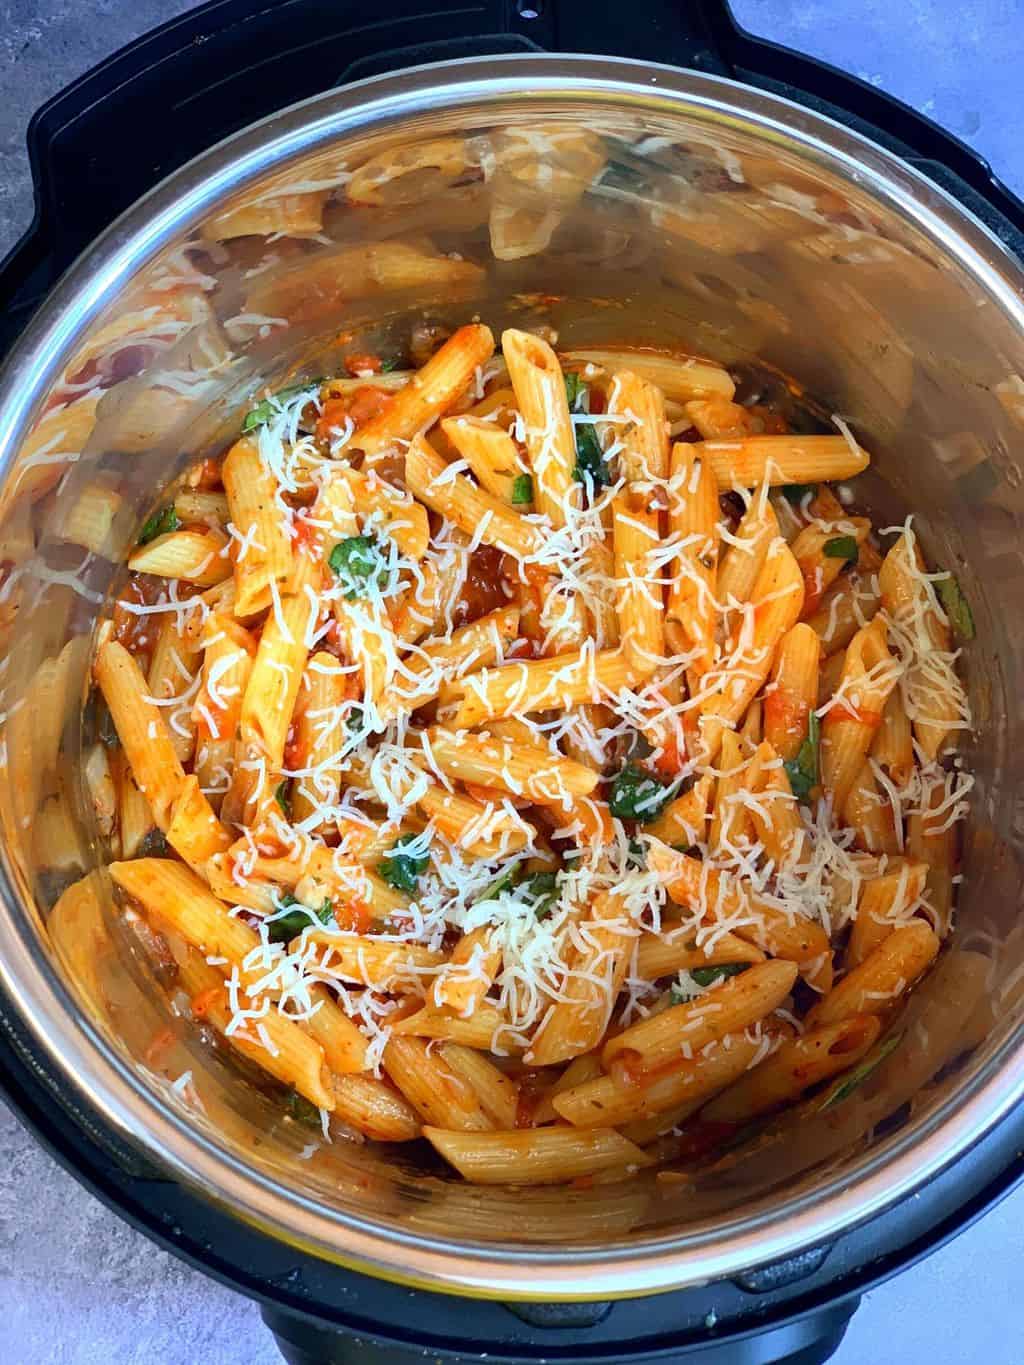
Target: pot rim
column 893, row 1169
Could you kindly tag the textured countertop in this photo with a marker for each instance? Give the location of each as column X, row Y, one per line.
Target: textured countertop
column 79, row 1287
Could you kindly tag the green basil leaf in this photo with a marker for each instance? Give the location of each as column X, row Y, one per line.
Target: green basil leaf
column 577, row 393
column 302, row 1110
column 505, row 881
column 358, row 562
column 956, row 606
column 802, row 771
column 847, row 1084
column 618, row 176
column 841, row 547
column 636, row 795
column 707, row 976
column 796, row 492
column 287, row 927
column 402, row 870
column 283, row 798
column 161, row 523
column 543, row 888
column 269, row 408
column 590, row 461
column 390, row 365
column 636, row 854
column 522, row 489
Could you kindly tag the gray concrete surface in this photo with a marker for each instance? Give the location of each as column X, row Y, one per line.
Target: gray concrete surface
column 78, row 1287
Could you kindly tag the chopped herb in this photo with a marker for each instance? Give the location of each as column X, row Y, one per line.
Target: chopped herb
column 707, row 976
column 290, row 926
column 390, row 365
column 358, row 563
column 161, row 523
column 956, row 606
column 847, row 1084
column 283, row 799
column 796, row 492
column 590, row 461
column 841, row 547
column 543, row 888
column 505, row 881
column 690, row 850
column 577, row 392
column 618, row 176
column 636, row 854
column 355, row 719
column 402, row 870
column 704, row 977
column 302, row 1110
column 636, row 795
column 270, row 407
column 522, row 489
column 802, row 771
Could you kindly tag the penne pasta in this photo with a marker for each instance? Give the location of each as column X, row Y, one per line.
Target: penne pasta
column 516, row 689
column 155, row 766
column 578, row 1020
column 493, row 458
column 263, row 556
column 730, row 1008
column 437, row 1092
column 876, row 984
column 744, row 554
column 848, row 729
column 885, row 903
column 430, row 392
column 193, row 556
column 539, row 388
column 677, row 376
column 690, row 608
column 639, row 607
column 644, row 436
column 797, row 1065
column 776, row 460
column 536, row 1156
column 680, row 1087
column 474, row 510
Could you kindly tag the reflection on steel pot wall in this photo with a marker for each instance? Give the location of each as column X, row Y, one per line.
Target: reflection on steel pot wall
column 581, row 196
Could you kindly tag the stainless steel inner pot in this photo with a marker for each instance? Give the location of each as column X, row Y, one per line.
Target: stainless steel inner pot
column 722, row 220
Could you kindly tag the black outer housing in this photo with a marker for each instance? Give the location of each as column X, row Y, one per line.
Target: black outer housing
column 95, row 149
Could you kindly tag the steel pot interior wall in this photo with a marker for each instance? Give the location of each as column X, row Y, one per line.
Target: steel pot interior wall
column 613, row 205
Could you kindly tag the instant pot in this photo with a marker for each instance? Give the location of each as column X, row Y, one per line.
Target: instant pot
column 747, row 204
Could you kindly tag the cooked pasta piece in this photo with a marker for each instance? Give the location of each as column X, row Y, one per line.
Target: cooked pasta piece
column 536, row 1156
column 795, row 1067
column 782, row 459
column 539, row 387
column 693, row 521
column 430, row 392
column 848, row 728
column 876, row 984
